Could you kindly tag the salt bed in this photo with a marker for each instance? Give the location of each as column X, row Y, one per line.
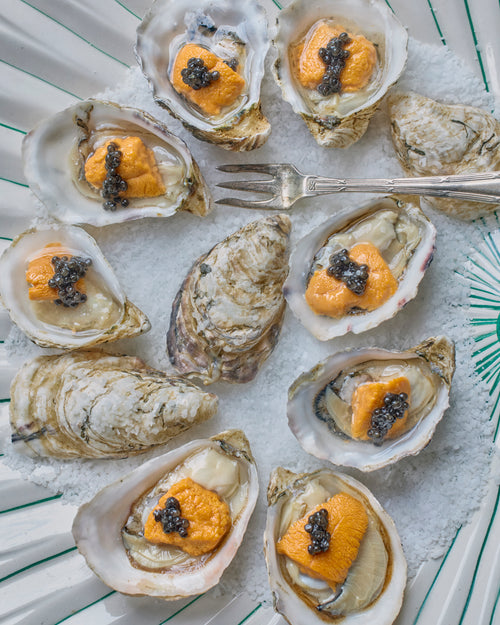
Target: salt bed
column 429, row 496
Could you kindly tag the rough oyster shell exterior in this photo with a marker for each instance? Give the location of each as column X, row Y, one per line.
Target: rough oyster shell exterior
column 95, row 405
column 227, row 315
column 324, row 439
column 433, row 139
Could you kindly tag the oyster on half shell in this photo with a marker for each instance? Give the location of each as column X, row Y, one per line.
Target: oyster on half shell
column 323, row 402
column 227, row 315
column 232, row 39
column 110, row 529
column 90, row 404
column 105, row 315
column 340, row 118
column 434, row 139
column 162, row 176
column 373, row 585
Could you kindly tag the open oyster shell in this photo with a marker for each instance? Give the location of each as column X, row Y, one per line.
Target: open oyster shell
column 55, row 151
column 95, row 405
column 402, row 234
column 341, row 119
column 434, row 139
column 108, row 529
column 373, row 590
column 227, row 315
column 107, row 315
column 229, row 30
column 319, row 402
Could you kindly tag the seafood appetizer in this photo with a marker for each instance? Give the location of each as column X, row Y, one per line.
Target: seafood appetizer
column 171, row 527
column 90, row 404
column 61, row 291
column 360, row 267
column 204, row 61
column 101, row 163
column 433, row 139
column 333, row 554
column 336, row 61
column 227, row 315
column 367, row 408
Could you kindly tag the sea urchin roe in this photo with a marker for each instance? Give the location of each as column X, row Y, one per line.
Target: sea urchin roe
column 317, row 525
column 347, row 524
column 215, row 95
column 353, row 275
column 380, row 409
column 326, row 295
column 208, row 516
column 359, row 64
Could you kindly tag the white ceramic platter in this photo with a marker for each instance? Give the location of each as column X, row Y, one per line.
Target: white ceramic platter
column 55, row 52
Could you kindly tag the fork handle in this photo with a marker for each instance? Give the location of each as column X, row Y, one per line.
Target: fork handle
column 484, row 187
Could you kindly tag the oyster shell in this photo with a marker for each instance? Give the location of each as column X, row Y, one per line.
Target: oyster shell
column 403, row 236
column 227, row 315
column 55, row 153
column 107, row 315
column 340, row 119
column 433, row 139
column 373, row 589
column 108, row 530
column 95, row 405
column 230, row 30
column 320, row 402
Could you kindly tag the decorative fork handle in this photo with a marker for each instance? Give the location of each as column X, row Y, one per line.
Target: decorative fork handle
column 483, row 187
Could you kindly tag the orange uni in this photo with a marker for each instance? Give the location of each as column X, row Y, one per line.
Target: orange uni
column 367, row 397
column 359, row 64
column 219, row 93
column 328, row 296
column 41, row 270
column 209, row 519
column 137, row 167
column 347, row 524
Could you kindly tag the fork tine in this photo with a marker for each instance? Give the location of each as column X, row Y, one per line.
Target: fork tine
column 262, row 168
column 259, row 186
column 234, row 201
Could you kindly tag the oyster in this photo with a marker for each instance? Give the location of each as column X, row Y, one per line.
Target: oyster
column 376, row 56
column 227, row 315
column 110, row 529
column 331, row 407
column 381, row 249
column 94, row 308
column 94, row 405
column 433, row 139
column 64, row 163
column 231, row 39
column 362, row 585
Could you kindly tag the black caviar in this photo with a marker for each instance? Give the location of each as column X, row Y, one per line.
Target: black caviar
column 334, row 57
column 353, row 275
column 67, row 271
column 170, row 518
column 395, row 406
column 316, row 526
column 232, row 63
column 113, row 184
column 196, row 75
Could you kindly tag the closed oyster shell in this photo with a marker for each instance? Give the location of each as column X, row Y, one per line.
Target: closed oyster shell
column 316, row 412
column 95, row 405
column 433, row 139
column 106, row 527
column 227, row 316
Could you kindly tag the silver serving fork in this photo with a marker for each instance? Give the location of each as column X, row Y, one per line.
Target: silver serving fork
column 287, row 185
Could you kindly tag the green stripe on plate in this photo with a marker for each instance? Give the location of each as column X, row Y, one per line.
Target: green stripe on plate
column 30, row 566
column 478, row 53
column 181, row 609
column 433, row 13
column 495, row 608
column 23, row 132
column 19, row 184
column 277, row 4
column 127, row 9
column 113, row 592
column 47, row 82
column 250, row 614
column 31, row 503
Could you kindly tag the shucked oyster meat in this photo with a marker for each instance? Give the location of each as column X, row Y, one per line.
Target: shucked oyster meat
column 227, row 315
column 367, row 408
column 205, row 61
column 95, row 405
column 355, row 574
column 434, row 139
column 61, row 291
column 68, row 165
column 171, row 527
